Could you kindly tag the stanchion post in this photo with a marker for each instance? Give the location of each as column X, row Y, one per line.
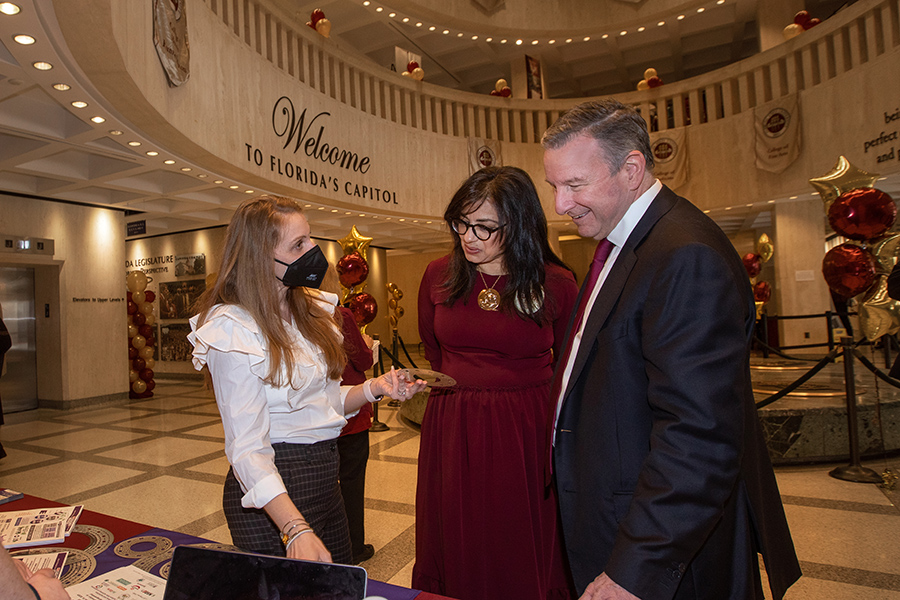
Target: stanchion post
column 830, row 329
column 376, row 371
column 394, row 352
column 764, row 333
column 854, row 471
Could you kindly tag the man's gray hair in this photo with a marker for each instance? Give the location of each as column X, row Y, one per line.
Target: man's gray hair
column 619, row 129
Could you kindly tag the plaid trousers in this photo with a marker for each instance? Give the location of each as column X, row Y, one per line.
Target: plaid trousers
column 310, row 474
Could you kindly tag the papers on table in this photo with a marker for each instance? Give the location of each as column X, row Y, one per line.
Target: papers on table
column 48, row 560
column 8, row 495
column 39, row 526
column 124, row 583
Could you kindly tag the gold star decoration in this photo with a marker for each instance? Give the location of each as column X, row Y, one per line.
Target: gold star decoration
column 764, row 248
column 356, row 242
column 842, row 178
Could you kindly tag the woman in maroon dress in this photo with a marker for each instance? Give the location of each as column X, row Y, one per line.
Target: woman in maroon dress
column 492, row 315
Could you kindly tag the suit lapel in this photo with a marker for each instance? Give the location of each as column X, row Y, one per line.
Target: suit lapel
column 615, row 281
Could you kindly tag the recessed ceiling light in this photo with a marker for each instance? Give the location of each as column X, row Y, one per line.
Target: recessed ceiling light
column 728, row 208
column 218, row 181
column 587, row 38
column 307, row 206
column 474, row 37
column 518, row 42
column 387, row 218
column 185, row 169
column 8, row 8
column 428, row 222
column 406, row 19
column 115, row 132
column 446, row 31
column 680, row 17
column 392, row 15
column 568, row 40
column 641, row 29
column 79, row 104
column 98, row 120
column 62, row 87
column 432, row 28
column 232, row 187
column 419, row 24
column 348, row 213
column 169, row 162
column 552, row 42
column 248, row 191
column 502, row 41
column 152, row 153
column 201, row 175
column 402, row 220
column 490, row 39
column 534, row 42
column 362, row 214
column 701, row 9
column 460, row 34
column 661, row 23
column 134, row 143
column 379, row 9
column 321, row 208
column 623, row 33
column 42, row 66
column 334, row 210
column 721, row 2
column 25, row 40
column 366, row 3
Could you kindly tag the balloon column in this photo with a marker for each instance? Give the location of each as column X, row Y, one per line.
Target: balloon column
column 753, row 262
column 502, row 89
column 802, row 22
column 394, row 304
column 353, row 269
column 319, row 23
column 650, row 80
column 859, row 268
column 140, row 335
column 414, row 71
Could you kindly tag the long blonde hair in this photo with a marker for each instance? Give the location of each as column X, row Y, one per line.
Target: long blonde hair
column 245, row 278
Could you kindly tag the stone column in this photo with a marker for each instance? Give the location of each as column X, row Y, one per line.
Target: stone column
column 800, row 289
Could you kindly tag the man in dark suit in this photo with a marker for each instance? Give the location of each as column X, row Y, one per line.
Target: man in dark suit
column 665, row 485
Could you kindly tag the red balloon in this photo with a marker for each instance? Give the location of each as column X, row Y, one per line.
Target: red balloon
column 495, row 93
column 862, row 214
column 149, row 341
column 128, row 296
column 311, row 25
column 753, row 264
column 315, row 15
column 352, row 269
column 411, row 66
column 762, row 291
column 131, row 307
column 802, row 18
column 654, row 82
column 505, row 91
column 364, row 308
column 139, row 318
column 145, row 330
column 849, row 270
column 149, row 296
column 150, row 385
column 139, row 364
column 146, row 374
column 132, row 352
column 811, row 23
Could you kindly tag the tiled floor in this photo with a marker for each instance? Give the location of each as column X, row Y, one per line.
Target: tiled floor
column 160, row 462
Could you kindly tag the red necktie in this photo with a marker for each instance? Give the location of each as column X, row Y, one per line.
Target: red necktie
column 600, row 256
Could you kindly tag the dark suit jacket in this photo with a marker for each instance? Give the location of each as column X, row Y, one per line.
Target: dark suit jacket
column 664, row 479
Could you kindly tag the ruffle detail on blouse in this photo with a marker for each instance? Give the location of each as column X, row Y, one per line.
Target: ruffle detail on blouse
column 229, row 328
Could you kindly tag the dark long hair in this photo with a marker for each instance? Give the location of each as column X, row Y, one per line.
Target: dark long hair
column 526, row 250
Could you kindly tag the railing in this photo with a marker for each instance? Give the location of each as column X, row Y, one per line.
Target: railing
column 855, row 36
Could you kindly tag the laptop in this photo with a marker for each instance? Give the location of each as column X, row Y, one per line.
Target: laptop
column 204, row 573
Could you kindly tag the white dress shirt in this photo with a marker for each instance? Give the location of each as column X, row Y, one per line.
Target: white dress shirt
column 618, row 236
column 255, row 414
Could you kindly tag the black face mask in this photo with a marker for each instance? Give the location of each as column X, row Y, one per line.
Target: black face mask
column 306, row 271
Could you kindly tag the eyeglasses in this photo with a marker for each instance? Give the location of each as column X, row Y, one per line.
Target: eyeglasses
column 482, row 232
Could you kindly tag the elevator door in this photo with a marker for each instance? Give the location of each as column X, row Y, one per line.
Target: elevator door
column 18, row 382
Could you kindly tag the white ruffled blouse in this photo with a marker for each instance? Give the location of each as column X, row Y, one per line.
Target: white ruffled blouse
column 255, row 414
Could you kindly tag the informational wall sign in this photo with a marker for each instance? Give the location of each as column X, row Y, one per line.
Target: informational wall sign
column 885, row 144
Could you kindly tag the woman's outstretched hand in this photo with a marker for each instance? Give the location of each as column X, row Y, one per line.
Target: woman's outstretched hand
column 394, row 384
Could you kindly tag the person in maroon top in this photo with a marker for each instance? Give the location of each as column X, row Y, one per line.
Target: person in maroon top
column 353, row 444
column 492, row 315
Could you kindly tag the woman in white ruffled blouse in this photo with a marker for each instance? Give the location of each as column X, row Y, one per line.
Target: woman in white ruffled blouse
column 274, row 354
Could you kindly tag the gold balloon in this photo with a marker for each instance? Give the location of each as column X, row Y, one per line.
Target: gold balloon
column 842, row 178
column 643, row 85
column 764, row 248
column 323, row 26
column 136, row 281
column 759, row 309
column 879, row 314
column 356, row 242
column 392, row 304
column 393, row 321
column 648, row 73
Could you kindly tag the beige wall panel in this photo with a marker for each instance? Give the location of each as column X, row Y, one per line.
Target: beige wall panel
column 81, row 346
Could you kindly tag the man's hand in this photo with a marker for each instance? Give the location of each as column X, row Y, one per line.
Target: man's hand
column 604, row 588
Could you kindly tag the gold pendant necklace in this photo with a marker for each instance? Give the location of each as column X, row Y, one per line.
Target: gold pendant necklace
column 488, row 298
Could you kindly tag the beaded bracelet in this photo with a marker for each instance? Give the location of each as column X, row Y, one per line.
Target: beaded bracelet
column 295, row 536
